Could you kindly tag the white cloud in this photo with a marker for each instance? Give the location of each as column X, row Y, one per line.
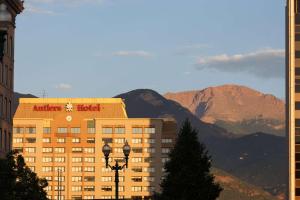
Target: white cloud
column 63, row 86
column 37, row 10
column 132, row 54
column 266, row 63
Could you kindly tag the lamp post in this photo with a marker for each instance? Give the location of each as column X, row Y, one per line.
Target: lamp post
column 106, row 149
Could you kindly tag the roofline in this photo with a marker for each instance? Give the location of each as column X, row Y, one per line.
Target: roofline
column 71, row 100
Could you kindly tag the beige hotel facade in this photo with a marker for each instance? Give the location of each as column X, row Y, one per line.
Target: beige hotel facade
column 66, row 135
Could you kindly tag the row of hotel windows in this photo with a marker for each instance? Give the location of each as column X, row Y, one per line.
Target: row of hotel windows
column 88, row 150
column 92, row 140
column 89, row 159
column 103, row 188
column 103, row 178
column 90, row 169
column 6, row 76
column 77, row 130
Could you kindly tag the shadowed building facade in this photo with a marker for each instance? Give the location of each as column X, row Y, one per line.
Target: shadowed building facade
column 67, row 135
column 9, row 9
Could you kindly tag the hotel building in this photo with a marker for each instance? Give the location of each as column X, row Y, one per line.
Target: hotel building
column 9, row 9
column 62, row 139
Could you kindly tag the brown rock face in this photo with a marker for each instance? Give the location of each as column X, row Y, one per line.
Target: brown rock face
column 231, row 103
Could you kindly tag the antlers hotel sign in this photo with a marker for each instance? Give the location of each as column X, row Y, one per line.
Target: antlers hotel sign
column 68, row 107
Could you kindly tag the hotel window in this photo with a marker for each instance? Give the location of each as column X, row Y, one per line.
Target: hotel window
column 89, row 179
column 149, row 178
column 61, row 140
column 149, row 150
column 61, row 178
column 137, row 130
column 89, row 188
column 149, row 169
column 91, row 126
column 149, row 188
column 120, row 130
column 48, row 178
column 121, row 179
column 148, row 160
column 29, row 159
column 76, row 159
column 136, row 160
column 106, row 179
column 47, row 130
column 59, row 159
column 90, row 140
column 46, row 140
column 165, row 150
column 164, row 160
column 47, row 159
column 61, row 197
column 62, row 130
column 137, row 179
column 31, row 130
column 30, row 140
column 30, row 149
column 19, row 149
column 76, row 169
column 106, row 188
column 75, row 130
column 149, row 141
column 110, row 159
column 48, row 188
column 89, row 150
column 47, row 150
column 89, row 169
column 136, row 141
column 136, row 188
column 76, row 150
column 119, row 140
column 46, row 169
column 150, row 130
column 75, row 140
column 107, row 140
column 32, row 168
column 121, row 189
column 106, row 197
column 17, row 140
column 59, row 150
column 118, row 150
column 104, row 169
column 166, row 141
column 60, row 188
column 137, row 150
column 137, row 169
column 89, row 159
column 76, row 188
column 76, row 178
column 107, row 130
column 88, row 197
column 62, row 169
column 18, row 130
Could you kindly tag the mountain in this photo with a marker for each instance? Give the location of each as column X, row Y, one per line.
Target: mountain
column 148, row 103
column 235, row 189
column 260, row 159
column 254, row 158
column 238, row 109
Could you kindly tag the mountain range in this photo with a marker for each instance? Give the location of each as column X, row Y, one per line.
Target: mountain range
column 238, row 109
column 246, row 159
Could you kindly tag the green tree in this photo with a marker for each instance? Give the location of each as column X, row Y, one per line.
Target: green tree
column 18, row 182
column 188, row 174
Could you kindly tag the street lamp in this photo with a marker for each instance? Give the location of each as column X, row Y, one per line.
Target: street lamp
column 106, row 149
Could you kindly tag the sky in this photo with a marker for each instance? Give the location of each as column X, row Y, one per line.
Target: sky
column 101, row 48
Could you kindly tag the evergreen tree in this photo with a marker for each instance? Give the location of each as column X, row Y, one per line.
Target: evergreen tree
column 188, row 174
column 18, row 182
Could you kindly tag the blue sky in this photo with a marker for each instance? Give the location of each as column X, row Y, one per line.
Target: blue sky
column 100, row 48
